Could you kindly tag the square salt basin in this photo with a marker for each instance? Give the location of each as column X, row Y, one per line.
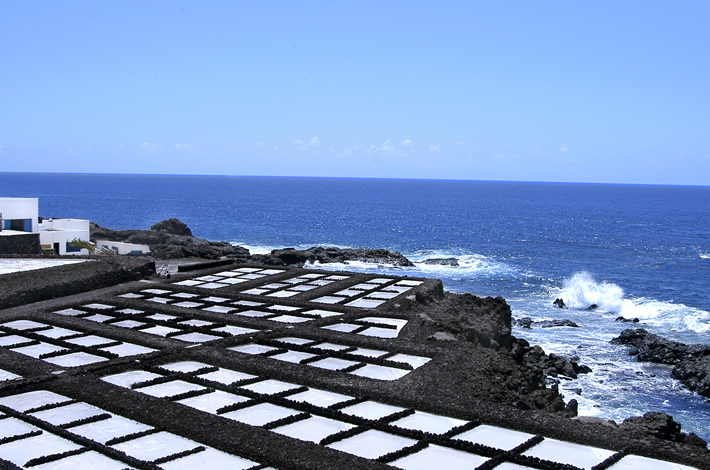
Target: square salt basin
column 397, row 289
column 338, row 278
column 208, row 278
column 252, row 348
column 128, row 324
column 369, row 352
column 382, row 295
column 567, row 453
column 211, row 402
column 313, row 429
column 70, row 312
column 372, row 444
column 414, row 361
column 159, row 300
column 330, row 347
column 365, row 303
column 14, row 340
column 160, row 330
column 219, row 309
column 270, row 387
column 398, row 323
column 26, row 401
column 246, row 270
column 129, row 311
column 98, row 306
column 228, row 274
column 310, row 276
column 323, row 313
column 127, row 379
column 75, row 359
column 155, row 446
column 254, row 291
column 293, row 356
column 161, row 317
column 184, row 366
column 377, row 332
column 188, row 283
column 320, row 282
column 98, row 318
column 333, row 363
column 21, row 451
column 320, row 398
column 269, row 272
column 195, row 337
column 227, row 376
column 293, row 340
column 274, row 285
column 380, row 280
column 5, row 375
column 252, row 276
column 342, row 327
column 328, row 299
column 209, row 458
column 495, row 437
column 184, row 295
column 371, row 410
column 248, row 303
column 253, row 313
column 261, row 414
column 14, row 427
column 89, row 459
column 302, row 288
column 215, row 300
column 235, row 330
column 348, row 293
column 68, row 413
column 515, row 466
column 372, row 371
column 408, row 283
column 283, row 294
column 634, row 462
column 90, row 340
column 156, row 291
column 283, row 308
column 427, row 422
column 212, row 285
column 169, row 389
column 195, row 322
column 363, row 287
column 290, row 319
column 435, row 456
column 23, row 325
column 57, row 332
column 128, row 349
column 37, row 350
column 232, row 280
column 188, row 304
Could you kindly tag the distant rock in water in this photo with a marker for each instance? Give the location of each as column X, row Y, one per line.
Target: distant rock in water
column 528, row 323
column 453, row 262
column 692, row 362
column 559, row 303
column 662, row 426
column 293, row 257
column 172, row 227
column 627, row 320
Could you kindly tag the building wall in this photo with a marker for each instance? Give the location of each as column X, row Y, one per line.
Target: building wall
column 19, row 209
column 121, row 248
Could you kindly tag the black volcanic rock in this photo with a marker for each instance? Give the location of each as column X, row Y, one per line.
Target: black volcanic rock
column 662, row 426
column 442, row 261
column 528, row 323
column 293, row 257
column 691, row 362
column 172, row 227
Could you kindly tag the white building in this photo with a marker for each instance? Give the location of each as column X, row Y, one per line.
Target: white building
column 122, row 248
column 20, row 216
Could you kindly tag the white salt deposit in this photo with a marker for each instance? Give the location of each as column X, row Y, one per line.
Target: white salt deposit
column 99, row 306
column 68, row 413
column 371, row 410
column 495, row 437
column 365, row 303
column 435, row 456
column 75, row 359
column 211, row 402
column 188, row 283
column 19, row 452
column 90, row 340
column 212, row 285
column 23, row 324
column 126, row 379
column 160, row 330
column 331, row 346
column 107, row 429
column 184, row 366
column 323, row 313
column 313, row 429
column 226, row 376
column 161, row 317
column 25, row 401
column 156, row 291
column 14, row 427
column 255, row 291
column 70, row 311
column 635, row 462
column 219, row 309
column 169, row 389
column 293, row 356
column 414, row 361
column 128, row 349
column 184, row 295
column 155, row 446
column 215, row 300
column 89, row 459
column 208, row 278
column 328, row 299
column 283, row 308
column 247, row 303
column 283, row 294
column 5, row 375
column 188, row 304
column 270, row 386
column 38, row 349
column 252, row 348
column 372, row 444
column 289, row 319
column 293, row 340
column 253, row 313
column 235, row 330
column 567, row 453
column 196, row 337
column 159, row 300
column 332, row 363
column 259, row 415
column 378, row 332
column 57, row 332
column 320, row 398
column 209, row 458
column 11, row 340
column 16, row 265
column 380, row 372
column 342, row 327
column 428, row 422
column 98, row 318
column 369, row 352
column 196, row 322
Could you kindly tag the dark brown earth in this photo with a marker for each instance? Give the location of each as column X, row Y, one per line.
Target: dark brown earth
column 478, row 370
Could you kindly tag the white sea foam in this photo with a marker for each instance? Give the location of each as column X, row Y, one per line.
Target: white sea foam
column 705, row 255
column 266, row 249
column 581, row 291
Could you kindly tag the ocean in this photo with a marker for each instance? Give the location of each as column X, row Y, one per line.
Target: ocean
column 635, row 251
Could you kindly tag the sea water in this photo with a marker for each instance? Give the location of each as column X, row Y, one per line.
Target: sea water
column 634, row 251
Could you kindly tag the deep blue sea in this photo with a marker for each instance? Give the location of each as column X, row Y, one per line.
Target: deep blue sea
column 636, row 251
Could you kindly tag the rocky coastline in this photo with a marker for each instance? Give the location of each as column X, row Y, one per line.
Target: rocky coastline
column 481, row 365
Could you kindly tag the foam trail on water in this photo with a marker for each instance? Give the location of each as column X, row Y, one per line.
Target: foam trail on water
column 705, row 255
column 469, row 264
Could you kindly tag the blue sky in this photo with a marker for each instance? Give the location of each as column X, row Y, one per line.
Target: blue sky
column 614, row 92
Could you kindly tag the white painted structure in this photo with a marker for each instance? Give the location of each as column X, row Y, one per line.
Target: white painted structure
column 19, row 214
column 59, row 232
column 121, row 248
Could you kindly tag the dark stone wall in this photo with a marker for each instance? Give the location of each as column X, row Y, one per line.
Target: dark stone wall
column 25, row 244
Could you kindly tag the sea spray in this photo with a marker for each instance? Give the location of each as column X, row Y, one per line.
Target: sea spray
column 581, row 291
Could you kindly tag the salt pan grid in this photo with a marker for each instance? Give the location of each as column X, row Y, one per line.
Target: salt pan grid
column 5, row 375
column 44, row 430
column 379, row 327
column 228, row 278
column 61, row 346
column 223, row 305
column 404, row 438
column 369, row 294
column 184, row 329
column 364, row 362
column 294, row 286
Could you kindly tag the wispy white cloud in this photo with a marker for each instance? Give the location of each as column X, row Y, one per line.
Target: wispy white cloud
column 563, row 149
column 151, row 148
column 435, row 148
column 406, row 143
column 314, row 142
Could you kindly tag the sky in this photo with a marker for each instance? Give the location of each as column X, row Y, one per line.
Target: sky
column 564, row 91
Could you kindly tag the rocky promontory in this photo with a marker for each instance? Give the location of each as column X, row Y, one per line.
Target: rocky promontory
column 691, row 362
